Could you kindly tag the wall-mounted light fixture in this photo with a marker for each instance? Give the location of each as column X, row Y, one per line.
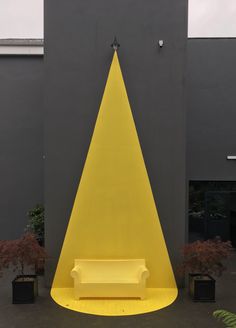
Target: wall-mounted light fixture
column 231, row 157
column 115, row 45
column 161, row 43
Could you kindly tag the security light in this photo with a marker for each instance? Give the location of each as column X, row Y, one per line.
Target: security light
column 161, row 43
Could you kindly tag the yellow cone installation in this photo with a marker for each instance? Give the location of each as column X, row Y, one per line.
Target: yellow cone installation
column 114, row 214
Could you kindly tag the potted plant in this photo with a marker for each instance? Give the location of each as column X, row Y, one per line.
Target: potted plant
column 203, row 260
column 36, row 226
column 22, row 253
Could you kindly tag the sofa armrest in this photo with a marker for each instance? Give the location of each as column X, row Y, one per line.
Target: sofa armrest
column 143, row 273
column 76, row 273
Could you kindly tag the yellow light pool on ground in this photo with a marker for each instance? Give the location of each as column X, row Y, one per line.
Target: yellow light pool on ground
column 114, row 214
column 157, row 299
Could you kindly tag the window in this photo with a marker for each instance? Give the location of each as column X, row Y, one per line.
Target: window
column 212, row 210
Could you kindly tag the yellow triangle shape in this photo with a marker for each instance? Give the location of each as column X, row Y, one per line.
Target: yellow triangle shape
column 114, row 214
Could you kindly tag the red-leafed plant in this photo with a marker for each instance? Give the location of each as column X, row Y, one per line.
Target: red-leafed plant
column 205, row 257
column 20, row 253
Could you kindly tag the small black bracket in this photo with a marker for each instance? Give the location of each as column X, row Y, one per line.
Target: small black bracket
column 115, row 45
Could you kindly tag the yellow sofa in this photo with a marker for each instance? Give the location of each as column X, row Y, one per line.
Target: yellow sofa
column 110, row 278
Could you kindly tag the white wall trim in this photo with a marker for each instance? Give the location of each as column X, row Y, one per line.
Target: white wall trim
column 21, row 47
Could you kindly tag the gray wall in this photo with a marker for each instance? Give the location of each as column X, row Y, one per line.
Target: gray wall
column 21, row 142
column 211, row 109
column 77, row 58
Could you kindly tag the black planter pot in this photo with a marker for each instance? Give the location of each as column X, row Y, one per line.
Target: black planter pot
column 24, row 289
column 202, row 288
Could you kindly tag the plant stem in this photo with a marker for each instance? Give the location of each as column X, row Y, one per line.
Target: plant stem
column 22, row 266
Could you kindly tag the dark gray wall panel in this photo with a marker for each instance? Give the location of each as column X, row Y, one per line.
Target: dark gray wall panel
column 78, row 35
column 21, row 141
column 211, row 108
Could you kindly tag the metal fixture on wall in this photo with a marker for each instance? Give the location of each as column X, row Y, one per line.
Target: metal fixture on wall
column 161, row 43
column 231, row 157
column 115, row 45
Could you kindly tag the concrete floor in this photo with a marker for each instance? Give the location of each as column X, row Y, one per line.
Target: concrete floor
column 182, row 314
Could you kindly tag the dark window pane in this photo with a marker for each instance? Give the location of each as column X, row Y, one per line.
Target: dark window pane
column 212, row 210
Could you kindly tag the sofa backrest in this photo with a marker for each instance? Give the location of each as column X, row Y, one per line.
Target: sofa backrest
column 109, row 269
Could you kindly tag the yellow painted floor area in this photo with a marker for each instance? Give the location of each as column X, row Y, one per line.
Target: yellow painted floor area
column 157, row 298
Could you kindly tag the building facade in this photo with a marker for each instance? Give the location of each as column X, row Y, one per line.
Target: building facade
column 182, row 97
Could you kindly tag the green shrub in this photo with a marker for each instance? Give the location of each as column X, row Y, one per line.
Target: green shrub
column 228, row 318
column 36, row 222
